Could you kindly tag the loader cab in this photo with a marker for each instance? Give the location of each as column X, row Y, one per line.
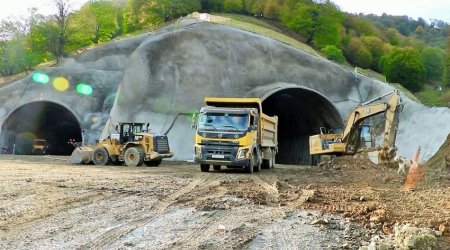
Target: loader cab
column 128, row 131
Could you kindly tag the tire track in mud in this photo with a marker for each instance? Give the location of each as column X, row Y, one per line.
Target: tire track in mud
column 159, row 208
column 193, row 239
column 68, row 203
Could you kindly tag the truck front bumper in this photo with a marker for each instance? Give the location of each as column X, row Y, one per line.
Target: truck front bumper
column 219, row 155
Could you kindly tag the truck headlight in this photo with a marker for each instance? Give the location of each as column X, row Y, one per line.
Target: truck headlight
column 242, row 153
column 198, row 152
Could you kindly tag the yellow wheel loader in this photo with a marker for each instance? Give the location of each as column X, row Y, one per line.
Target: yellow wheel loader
column 132, row 145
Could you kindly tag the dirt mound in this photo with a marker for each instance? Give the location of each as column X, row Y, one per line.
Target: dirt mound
column 437, row 169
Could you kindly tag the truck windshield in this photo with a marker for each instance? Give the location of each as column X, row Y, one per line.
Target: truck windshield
column 223, row 121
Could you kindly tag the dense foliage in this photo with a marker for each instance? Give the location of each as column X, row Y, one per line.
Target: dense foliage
column 410, row 52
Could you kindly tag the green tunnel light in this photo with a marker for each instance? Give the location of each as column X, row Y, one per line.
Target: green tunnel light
column 84, row 89
column 40, row 77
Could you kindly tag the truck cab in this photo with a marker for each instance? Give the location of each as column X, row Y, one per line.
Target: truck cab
column 228, row 133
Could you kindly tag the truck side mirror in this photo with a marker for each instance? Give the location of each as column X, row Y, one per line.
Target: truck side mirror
column 194, row 120
column 252, row 128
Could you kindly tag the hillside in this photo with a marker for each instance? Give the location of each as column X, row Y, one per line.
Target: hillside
column 366, row 44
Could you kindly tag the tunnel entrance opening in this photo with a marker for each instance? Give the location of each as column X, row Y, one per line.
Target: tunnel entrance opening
column 41, row 120
column 301, row 112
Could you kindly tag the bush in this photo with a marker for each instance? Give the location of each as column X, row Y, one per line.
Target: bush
column 333, row 53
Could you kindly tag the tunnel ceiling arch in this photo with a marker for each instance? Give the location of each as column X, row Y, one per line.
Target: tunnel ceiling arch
column 301, row 112
column 41, row 120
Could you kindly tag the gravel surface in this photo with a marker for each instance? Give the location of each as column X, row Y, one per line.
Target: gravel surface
column 46, row 203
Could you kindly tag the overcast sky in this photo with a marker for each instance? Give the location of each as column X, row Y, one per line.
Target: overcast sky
column 427, row 9
column 17, row 8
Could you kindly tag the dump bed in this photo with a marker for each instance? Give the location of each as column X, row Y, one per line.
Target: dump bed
column 269, row 130
column 268, row 126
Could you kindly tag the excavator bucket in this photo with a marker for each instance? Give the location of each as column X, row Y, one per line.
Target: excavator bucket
column 374, row 157
column 81, row 155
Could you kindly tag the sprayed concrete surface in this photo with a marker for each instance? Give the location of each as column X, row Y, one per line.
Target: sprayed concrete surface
column 48, row 204
column 155, row 76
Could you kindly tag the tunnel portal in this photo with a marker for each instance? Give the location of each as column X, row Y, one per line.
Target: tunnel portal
column 301, row 112
column 41, row 120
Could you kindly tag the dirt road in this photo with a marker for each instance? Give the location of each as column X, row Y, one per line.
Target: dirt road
column 46, row 203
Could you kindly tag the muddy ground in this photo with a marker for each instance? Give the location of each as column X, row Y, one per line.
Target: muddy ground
column 46, row 203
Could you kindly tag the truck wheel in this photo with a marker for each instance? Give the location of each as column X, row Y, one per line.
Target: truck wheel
column 216, row 167
column 134, row 157
column 153, row 163
column 204, row 167
column 256, row 164
column 100, row 156
column 268, row 163
column 272, row 159
column 249, row 167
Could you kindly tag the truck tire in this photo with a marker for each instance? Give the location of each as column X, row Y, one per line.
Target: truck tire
column 272, row 159
column 267, row 163
column 154, row 163
column 134, row 157
column 216, row 167
column 100, row 157
column 249, row 167
column 256, row 163
column 204, row 167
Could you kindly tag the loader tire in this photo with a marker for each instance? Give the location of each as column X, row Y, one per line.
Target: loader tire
column 134, row 157
column 153, row 163
column 100, row 157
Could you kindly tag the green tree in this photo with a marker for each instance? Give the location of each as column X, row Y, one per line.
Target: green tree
column 96, row 21
column 164, row 10
column 271, row 9
column 357, row 53
column 446, row 76
column 60, row 36
column 376, row 48
column 45, row 38
column 212, row 5
column 360, row 26
column 403, row 66
column 255, row 7
column 333, row 53
column 233, row 6
column 433, row 61
column 133, row 15
column 393, row 36
column 320, row 24
column 15, row 55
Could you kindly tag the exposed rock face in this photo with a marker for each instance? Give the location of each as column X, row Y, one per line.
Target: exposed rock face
column 170, row 71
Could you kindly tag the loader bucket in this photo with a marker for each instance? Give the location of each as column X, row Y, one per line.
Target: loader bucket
column 81, row 155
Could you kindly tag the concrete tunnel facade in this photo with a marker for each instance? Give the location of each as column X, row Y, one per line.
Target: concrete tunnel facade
column 155, row 76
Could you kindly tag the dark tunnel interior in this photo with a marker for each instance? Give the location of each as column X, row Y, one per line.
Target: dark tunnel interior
column 41, row 120
column 301, row 113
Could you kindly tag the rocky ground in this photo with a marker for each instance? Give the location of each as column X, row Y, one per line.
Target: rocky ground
column 46, row 203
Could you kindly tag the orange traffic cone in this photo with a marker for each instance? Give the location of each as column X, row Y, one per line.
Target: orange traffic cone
column 414, row 174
